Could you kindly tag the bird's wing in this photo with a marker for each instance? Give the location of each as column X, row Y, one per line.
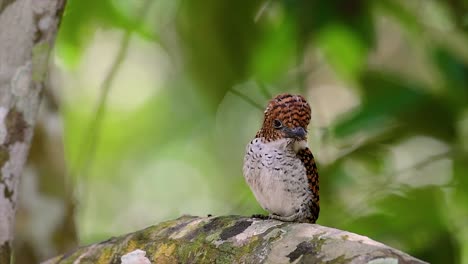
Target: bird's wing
column 313, row 179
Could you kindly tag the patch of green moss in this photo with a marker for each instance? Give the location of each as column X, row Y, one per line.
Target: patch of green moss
column 161, row 226
column 40, row 54
column 340, row 260
column 318, row 242
column 165, row 254
column 201, row 246
column 161, row 229
column 199, row 251
column 246, row 251
column 4, row 155
column 105, row 256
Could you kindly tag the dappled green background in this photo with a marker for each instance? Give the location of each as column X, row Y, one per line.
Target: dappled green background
column 164, row 135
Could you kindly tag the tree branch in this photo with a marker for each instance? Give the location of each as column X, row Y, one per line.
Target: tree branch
column 236, row 239
column 246, row 98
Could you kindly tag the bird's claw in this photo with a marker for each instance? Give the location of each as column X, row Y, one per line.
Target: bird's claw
column 260, row 216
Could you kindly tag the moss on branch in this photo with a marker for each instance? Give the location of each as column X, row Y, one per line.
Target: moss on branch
column 236, row 239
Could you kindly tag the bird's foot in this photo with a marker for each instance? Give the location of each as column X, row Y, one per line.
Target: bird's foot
column 260, row 216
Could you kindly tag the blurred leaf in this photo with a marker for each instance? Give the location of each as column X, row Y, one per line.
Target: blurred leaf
column 460, row 172
column 405, row 218
column 389, row 97
column 333, row 178
column 459, row 8
column 276, row 52
column 343, row 49
column 117, row 143
column 455, row 76
column 217, row 39
column 344, row 30
column 373, row 158
column 444, row 248
column 315, row 15
column 81, row 19
column 402, row 14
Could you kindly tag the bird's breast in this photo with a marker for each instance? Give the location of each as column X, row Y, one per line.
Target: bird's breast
column 276, row 176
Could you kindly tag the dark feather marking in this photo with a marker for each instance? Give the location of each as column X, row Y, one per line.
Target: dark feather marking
column 308, row 160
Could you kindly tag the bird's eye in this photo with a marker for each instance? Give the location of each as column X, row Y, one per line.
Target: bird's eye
column 277, row 124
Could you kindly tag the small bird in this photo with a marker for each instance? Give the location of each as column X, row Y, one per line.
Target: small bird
column 278, row 165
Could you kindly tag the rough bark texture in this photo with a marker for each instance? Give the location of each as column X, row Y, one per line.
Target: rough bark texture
column 27, row 32
column 235, row 239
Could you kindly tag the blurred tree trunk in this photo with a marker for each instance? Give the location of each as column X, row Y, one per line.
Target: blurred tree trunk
column 235, row 239
column 45, row 223
column 27, row 33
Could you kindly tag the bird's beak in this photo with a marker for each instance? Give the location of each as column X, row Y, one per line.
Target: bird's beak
column 296, row 132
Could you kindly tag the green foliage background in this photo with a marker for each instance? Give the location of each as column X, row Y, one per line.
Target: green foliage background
column 387, row 81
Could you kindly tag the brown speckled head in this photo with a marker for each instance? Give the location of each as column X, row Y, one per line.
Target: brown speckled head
column 286, row 116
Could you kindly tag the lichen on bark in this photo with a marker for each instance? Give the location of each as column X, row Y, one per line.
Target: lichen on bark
column 236, row 239
column 23, row 56
column 16, row 127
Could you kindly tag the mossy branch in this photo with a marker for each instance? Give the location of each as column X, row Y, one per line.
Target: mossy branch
column 236, row 239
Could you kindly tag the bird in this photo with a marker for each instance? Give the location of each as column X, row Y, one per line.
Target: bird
column 279, row 166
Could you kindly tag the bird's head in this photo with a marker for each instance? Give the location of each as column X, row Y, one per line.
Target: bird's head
column 286, row 117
